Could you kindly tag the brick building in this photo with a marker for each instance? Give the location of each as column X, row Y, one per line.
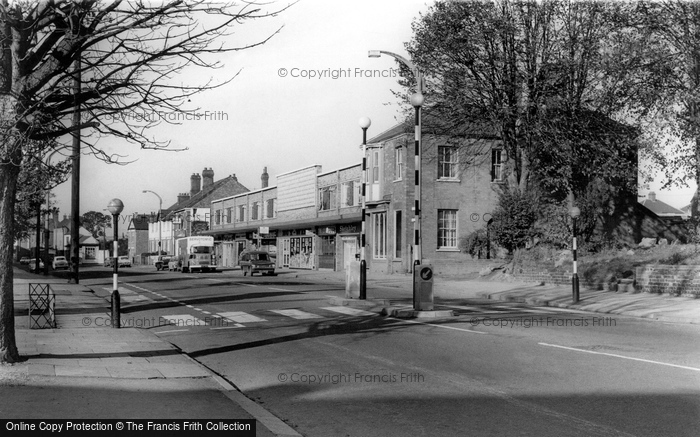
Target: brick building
column 458, row 193
column 309, row 220
column 190, row 215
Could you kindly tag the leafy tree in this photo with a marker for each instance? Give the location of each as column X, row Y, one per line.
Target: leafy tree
column 514, row 219
column 541, row 77
column 99, row 63
column 95, row 223
column 676, row 26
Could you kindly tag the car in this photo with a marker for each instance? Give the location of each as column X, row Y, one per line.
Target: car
column 60, row 262
column 32, row 265
column 174, row 264
column 124, row 261
column 24, row 260
column 257, row 261
column 162, row 263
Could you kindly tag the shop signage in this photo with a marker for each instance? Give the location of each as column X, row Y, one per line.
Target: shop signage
column 349, row 229
column 326, row 230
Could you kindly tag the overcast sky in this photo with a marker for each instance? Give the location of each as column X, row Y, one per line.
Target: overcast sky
column 267, row 117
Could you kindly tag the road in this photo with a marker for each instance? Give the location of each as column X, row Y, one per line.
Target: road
column 493, row 369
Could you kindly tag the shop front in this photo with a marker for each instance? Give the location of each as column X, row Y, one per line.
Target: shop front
column 297, row 249
column 327, row 243
column 348, row 241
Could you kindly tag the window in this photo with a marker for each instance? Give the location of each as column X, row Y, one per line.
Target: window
column 398, row 163
column 447, row 229
column 229, row 215
column 270, row 210
column 496, row 165
column 348, row 194
column 218, row 217
column 241, row 213
column 447, row 162
column 326, row 198
column 255, row 211
column 398, row 234
column 375, row 167
column 379, row 235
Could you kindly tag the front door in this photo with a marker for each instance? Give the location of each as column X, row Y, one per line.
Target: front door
column 326, row 258
column 349, row 251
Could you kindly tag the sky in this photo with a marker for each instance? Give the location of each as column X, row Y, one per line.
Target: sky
column 274, row 114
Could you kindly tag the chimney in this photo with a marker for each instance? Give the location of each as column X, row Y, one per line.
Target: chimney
column 195, row 184
column 652, row 196
column 207, row 177
column 182, row 197
column 233, row 176
column 264, row 178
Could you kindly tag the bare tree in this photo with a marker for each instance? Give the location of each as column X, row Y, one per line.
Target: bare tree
column 124, row 55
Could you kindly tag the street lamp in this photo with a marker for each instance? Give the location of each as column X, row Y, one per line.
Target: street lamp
column 160, row 230
column 417, row 100
column 365, row 123
column 115, row 207
column 575, row 212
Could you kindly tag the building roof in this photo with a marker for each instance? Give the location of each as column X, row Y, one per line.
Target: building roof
column 139, row 222
column 660, row 208
column 433, row 125
column 224, row 187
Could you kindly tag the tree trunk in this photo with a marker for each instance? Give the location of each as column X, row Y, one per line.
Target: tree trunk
column 694, row 213
column 9, row 171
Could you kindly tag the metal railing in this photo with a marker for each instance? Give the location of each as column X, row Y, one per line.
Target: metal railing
column 42, row 302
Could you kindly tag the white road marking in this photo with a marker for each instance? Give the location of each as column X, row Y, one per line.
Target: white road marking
column 247, row 285
column 621, row 356
column 439, row 326
column 174, row 330
column 206, row 312
column 189, row 306
column 237, row 325
column 216, row 280
column 477, row 309
column 241, row 317
column 297, row 314
column 278, row 289
column 349, row 311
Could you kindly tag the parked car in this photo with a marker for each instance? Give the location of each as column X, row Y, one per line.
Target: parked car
column 32, row 265
column 162, row 263
column 60, row 262
column 257, row 261
column 24, row 260
column 124, row 261
column 108, row 261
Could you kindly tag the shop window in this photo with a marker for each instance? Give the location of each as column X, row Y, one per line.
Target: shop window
column 447, row 229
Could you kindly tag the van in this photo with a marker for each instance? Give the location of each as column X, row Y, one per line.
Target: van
column 257, row 261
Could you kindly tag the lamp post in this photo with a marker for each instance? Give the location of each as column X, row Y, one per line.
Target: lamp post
column 365, row 123
column 575, row 212
column 115, row 207
column 160, row 230
column 417, row 103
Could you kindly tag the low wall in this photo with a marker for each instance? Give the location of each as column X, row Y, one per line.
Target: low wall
column 669, row 279
column 556, row 277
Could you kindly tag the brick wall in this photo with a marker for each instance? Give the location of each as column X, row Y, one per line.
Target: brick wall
column 669, row 279
column 555, row 277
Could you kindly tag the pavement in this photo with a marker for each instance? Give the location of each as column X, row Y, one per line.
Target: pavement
column 96, row 371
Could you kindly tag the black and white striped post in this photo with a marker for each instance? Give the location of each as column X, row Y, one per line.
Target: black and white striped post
column 365, row 123
column 575, row 213
column 115, row 207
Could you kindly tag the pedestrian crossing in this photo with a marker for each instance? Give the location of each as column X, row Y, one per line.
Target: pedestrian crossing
column 240, row 319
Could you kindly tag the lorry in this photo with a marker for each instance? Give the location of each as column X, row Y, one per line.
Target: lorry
column 195, row 254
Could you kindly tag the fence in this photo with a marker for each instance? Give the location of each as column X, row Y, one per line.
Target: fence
column 42, row 303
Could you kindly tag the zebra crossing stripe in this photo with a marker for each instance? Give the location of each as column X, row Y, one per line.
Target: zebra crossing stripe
column 241, row 317
column 297, row 314
column 349, row 311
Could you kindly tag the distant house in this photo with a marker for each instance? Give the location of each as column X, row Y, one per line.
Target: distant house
column 137, row 234
column 663, row 210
